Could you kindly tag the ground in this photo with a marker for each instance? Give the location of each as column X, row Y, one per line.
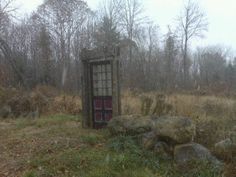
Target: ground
column 58, row 146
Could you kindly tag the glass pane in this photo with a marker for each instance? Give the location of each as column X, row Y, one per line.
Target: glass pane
column 95, row 84
column 95, row 92
column 100, row 92
column 108, row 116
column 103, row 68
column 99, row 68
column 108, row 104
column 108, row 76
column 95, row 69
column 103, row 84
column 98, row 116
column 108, row 67
column 98, row 104
column 103, row 76
column 109, row 92
column 95, row 76
column 109, row 83
column 99, row 76
column 99, row 84
column 104, row 92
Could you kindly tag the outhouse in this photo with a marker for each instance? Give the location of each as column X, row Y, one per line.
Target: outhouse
column 100, row 86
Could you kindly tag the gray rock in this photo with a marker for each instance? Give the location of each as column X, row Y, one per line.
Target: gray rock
column 5, row 112
column 163, row 150
column 174, row 130
column 149, row 140
column 225, row 146
column 130, row 125
column 186, row 154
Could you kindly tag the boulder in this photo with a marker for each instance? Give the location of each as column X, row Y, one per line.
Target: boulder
column 130, row 125
column 174, row 130
column 149, row 140
column 186, row 154
column 225, row 148
column 5, row 112
column 162, row 150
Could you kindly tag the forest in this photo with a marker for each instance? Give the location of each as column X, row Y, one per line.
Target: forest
column 169, row 108
column 44, row 47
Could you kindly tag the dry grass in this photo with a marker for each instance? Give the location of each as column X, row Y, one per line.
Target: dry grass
column 42, row 100
column 131, row 103
column 214, row 116
column 183, row 104
column 65, row 104
column 54, row 146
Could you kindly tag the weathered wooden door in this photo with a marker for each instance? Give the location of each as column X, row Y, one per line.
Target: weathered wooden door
column 102, row 93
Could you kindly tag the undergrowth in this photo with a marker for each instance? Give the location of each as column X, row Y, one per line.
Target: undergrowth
column 57, row 146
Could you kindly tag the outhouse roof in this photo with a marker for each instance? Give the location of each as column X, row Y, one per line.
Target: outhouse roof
column 98, row 54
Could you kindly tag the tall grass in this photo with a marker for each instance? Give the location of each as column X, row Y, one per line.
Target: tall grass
column 214, row 116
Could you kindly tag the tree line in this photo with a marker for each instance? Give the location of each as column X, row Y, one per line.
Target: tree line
column 44, row 47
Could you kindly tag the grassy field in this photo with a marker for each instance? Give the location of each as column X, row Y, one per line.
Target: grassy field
column 58, row 146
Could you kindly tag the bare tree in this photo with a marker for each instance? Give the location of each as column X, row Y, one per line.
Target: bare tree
column 111, row 10
column 169, row 63
column 7, row 11
column 211, row 66
column 132, row 17
column 193, row 23
column 64, row 19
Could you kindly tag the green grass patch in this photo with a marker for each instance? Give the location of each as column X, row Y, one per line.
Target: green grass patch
column 60, row 147
column 46, row 121
column 120, row 158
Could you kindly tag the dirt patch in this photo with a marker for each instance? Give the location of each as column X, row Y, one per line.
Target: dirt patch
column 20, row 141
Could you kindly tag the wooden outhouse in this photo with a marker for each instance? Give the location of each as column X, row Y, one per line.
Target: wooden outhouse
column 100, row 86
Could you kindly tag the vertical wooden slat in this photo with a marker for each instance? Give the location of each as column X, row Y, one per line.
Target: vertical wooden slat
column 119, row 87
column 90, row 96
column 85, row 95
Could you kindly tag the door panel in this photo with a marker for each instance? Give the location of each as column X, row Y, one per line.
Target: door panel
column 102, row 93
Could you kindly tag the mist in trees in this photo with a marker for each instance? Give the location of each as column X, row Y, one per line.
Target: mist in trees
column 43, row 48
column 192, row 23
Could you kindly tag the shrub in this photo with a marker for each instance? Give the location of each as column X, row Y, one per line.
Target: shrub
column 207, row 132
column 161, row 107
column 66, row 105
column 146, row 104
column 47, row 91
column 155, row 105
column 6, row 94
column 20, row 105
column 212, row 108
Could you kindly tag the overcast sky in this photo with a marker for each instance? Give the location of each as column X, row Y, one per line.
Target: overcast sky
column 221, row 16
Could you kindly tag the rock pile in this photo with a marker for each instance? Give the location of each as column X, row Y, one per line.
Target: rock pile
column 169, row 137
